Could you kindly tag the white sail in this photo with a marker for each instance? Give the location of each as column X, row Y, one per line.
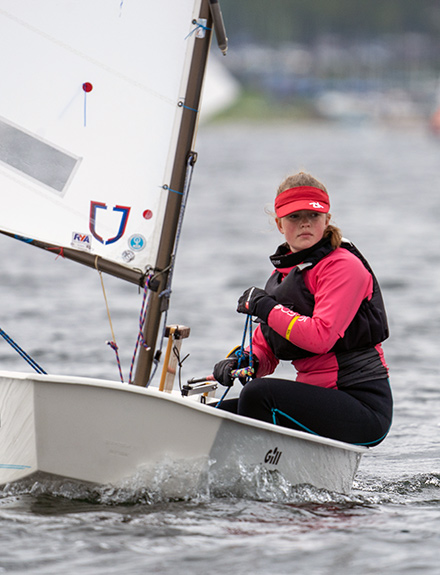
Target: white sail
column 89, row 120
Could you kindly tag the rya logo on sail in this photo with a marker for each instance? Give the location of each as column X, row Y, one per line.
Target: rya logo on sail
column 81, row 241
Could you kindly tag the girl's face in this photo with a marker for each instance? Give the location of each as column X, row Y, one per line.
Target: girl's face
column 303, row 229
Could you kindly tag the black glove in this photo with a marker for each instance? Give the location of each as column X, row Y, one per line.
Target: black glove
column 222, row 369
column 255, row 301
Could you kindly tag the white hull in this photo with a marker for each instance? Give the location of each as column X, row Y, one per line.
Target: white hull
column 102, row 432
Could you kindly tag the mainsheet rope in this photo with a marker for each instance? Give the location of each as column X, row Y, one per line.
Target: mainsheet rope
column 246, row 371
column 240, row 354
column 111, row 343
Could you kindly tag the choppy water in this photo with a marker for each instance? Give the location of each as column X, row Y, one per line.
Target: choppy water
column 385, row 190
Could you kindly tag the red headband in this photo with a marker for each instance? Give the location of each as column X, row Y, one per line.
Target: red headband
column 301, row 198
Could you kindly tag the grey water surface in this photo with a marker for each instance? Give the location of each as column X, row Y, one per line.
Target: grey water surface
column 384, row 184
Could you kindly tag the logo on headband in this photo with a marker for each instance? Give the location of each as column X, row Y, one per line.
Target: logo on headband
column 315, row 205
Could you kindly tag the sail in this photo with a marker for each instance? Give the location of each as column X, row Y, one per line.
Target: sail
column 90, row 112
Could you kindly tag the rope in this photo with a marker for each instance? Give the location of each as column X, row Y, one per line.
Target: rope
column 222, row 397
column 198, row 26
column 180, row 361
column 140, row 338
column 245, row 371
column 182, row 105
column 371, row 442
column 111, row 343
column 114, row 347
column 165, row 293
column 21, row 352
column 106, row 305
column 274, row 419
column 168, row 189
column 275, row 411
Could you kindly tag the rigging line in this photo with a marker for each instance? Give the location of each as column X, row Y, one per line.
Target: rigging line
column 249, row 370
column 274, row 411
column 158, row 353
column 374, row 442
column 106, row 302
column 243, row 342
column 114, row 347
column 168, row 189
column 192, row 158
column 140, row 337
column 182, row 105
column 251, row 353
column 223, row 397
column 180, row 361
column 22, row 353
column 198, row 26
column 275, row 422
column 52, row 249
column 112, row 343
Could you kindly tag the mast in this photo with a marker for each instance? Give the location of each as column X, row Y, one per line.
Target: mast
column 157, row 304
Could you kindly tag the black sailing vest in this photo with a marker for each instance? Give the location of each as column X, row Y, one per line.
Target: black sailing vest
column 368, row 327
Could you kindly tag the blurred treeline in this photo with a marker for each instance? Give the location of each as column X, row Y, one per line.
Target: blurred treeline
column 272, row 22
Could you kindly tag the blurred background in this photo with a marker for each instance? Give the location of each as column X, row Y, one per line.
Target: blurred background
column 348, row 60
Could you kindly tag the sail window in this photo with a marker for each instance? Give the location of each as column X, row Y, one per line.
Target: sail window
column 35, row 158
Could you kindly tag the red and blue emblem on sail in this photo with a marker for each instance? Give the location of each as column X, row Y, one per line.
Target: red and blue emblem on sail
column 124, row 211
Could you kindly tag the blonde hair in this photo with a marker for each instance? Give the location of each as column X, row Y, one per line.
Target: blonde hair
column 304, row 179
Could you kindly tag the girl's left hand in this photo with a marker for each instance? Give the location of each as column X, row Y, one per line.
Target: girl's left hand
column 255, row 301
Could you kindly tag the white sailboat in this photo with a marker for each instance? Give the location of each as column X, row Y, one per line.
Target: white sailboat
column 98, row 118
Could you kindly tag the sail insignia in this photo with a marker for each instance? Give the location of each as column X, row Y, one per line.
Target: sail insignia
column 124, row 212
column 90, row 123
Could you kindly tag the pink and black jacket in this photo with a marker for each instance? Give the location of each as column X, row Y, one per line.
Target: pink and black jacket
column 330, row 318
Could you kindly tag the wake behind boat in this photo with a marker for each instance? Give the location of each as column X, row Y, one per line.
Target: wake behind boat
column 97, row 132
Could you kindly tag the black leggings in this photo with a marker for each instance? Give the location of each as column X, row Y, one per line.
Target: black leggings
column 360, row 414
